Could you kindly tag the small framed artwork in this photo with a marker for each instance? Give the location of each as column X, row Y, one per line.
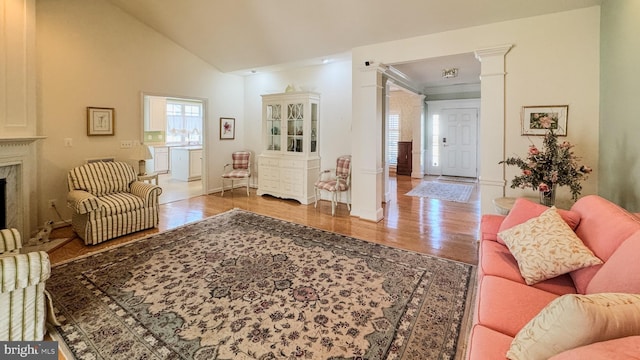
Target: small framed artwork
column 227, row 128
column 100, row 121
column 537, row 119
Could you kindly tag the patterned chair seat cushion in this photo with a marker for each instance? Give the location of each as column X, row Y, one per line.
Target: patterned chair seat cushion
column 236, row 174
column 120, row 203
column 331, row 185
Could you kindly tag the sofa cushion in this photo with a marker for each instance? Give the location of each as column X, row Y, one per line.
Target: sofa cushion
column 524, row 209
column 102, row 178
column 506, row 306
column 625, row 348
column 120, row 203
column 546, row 247
column 496, row 259
column 576, row 320
column 621, row 273
column 487, row 344
column 603, row 227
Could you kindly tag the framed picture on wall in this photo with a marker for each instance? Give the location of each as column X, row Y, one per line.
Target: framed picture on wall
column 537, row 119
column 227, row 128
column 100, row 121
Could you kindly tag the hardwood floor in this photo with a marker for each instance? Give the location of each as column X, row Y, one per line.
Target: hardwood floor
column 442, row 228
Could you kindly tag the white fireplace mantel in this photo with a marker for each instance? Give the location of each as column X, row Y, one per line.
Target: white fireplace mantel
column 20, row 140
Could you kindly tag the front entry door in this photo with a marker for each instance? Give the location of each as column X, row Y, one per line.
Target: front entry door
column 459, row 142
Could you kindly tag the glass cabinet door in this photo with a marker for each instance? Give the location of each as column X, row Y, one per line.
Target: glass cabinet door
column 274, row 123
column 314, row 127
column 295, row 129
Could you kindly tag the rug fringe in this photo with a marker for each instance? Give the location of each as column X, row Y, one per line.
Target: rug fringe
column 62, row 346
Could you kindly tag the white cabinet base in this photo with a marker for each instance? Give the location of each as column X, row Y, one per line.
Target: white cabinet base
column 160, row 162
column 186, row 163
column 288, row 177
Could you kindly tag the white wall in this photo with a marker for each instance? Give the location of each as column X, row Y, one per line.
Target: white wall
column 332, row 81
column 619, row 126
column 565, row 72
column 409, row 107
column 90, row 53
column 554, row 60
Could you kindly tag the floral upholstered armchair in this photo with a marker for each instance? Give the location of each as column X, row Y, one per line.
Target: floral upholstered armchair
column 239, row 169
column 108, row 201
column 24, row 304
column 335, row 181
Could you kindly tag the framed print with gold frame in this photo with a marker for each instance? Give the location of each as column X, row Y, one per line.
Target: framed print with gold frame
column 100, row 121
column 534, row 118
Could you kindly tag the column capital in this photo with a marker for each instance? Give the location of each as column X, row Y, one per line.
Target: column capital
column 499, row 50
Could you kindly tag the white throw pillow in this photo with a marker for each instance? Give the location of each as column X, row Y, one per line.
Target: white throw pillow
column 546, row 247
column 573, row 320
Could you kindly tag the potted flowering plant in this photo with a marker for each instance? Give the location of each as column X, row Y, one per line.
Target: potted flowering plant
column 553, row 165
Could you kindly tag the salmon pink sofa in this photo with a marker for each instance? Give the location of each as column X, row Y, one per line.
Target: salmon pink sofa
column 505, row 304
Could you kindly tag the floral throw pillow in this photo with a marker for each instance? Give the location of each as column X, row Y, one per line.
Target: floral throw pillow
column 546, row 247
column 572, row 320
column 524, row 209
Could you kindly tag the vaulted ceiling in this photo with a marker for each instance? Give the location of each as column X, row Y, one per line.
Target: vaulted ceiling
column 237, row 35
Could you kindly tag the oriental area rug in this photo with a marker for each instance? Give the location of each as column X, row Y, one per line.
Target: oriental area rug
column 442, row 191
column 245, row 286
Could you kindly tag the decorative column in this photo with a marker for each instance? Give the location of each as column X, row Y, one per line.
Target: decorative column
column 492, row 125
column 419, row 141
column 366, row 150
column 386, row 85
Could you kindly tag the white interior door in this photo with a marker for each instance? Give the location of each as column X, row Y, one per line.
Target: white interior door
column 459, row 142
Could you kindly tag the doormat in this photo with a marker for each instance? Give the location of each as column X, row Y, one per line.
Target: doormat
column 442, row 191
column 457, row 179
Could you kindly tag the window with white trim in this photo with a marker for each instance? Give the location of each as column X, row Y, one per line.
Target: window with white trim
column 184, row 122
column 393, row 131
column 435, row 141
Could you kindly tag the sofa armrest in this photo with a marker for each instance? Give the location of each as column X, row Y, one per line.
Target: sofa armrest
column 82, row 202
column 148, row 192
column 489, row 225
column 10, row 240
column 23, row 270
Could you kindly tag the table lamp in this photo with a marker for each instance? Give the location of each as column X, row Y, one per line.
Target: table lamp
column 142, row 153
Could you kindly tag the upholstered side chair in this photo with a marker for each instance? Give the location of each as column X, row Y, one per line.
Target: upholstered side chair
column 238, row 169
column 335, row 181
column 25, row 306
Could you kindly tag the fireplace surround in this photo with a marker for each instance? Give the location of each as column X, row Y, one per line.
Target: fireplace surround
column 18, row 167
